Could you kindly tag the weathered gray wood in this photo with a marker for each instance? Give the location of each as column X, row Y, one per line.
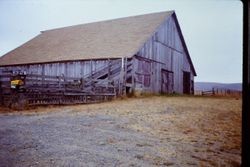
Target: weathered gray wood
column 164, row 50
column 166, row 46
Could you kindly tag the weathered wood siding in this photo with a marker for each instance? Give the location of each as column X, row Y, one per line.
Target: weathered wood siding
column 68, row 69
column 162, row 56
column 166, row 51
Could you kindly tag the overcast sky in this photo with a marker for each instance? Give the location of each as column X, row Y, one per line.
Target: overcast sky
column 212, row 29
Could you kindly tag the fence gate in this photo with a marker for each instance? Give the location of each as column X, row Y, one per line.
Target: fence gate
column 167, row 81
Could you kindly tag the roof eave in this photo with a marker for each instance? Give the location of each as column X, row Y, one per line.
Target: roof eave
column 184, row 44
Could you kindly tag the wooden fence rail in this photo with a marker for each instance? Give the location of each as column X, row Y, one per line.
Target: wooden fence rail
column 100, row 85
column 219, row 92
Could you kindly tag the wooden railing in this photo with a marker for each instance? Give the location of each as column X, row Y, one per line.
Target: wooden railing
column 220, row 92
column 103, row 84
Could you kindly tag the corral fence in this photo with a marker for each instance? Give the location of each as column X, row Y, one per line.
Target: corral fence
column 103, row 84
column 219, row 92
column 41, row 90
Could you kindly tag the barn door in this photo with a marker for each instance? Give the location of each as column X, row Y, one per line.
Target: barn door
column 167, row 81
column 186, row 82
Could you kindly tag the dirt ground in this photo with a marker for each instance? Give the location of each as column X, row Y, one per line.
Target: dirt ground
column 148, row 131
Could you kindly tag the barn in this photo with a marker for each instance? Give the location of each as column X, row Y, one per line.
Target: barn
column 100, row 60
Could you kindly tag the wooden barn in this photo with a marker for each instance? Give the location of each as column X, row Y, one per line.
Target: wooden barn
column 98, row 61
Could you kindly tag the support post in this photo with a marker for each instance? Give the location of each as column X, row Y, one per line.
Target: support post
column 134, row 68
column 91, row 74
column 125, row 75
column 43, row 74
column 82, row 75
column 121, row 77
column 109, row 69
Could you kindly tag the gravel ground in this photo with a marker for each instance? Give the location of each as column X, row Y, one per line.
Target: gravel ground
column 150, row 131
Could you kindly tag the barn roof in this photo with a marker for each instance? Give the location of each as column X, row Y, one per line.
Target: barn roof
column 106, row 39
column 116, row 38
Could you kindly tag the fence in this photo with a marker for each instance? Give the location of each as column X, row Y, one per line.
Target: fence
column 219, row 92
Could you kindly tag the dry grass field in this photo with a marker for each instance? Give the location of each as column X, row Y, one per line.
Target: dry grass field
column 147, row 131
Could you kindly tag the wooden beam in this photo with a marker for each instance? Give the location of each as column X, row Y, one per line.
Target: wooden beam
column 125, row 74
column 147, row 59
column 169, row 47
column 121, row 77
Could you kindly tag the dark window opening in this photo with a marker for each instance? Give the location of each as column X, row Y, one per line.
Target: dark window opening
column 104, row 76
column 129, row 80
column 186, row 82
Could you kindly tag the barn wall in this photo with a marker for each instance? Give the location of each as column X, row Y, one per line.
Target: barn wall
column 166, row 51
column 68, row 69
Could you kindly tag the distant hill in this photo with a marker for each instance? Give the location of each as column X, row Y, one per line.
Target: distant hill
column 204, row 86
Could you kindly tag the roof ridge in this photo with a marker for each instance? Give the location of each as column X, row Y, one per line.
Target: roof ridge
column 108, row 20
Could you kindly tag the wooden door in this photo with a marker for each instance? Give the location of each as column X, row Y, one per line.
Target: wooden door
column 167, row 81
column 186, row 82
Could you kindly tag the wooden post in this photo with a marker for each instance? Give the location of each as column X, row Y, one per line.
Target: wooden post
column 66, row 69
column 43, row 74
column 109, row 69
column 60, row 88
column 59, row 82
column 82, row 76
column 121, row 77
column 91, row 74
column 151, row 76
column 64, row 83
column 125, row 74
column 133, row 74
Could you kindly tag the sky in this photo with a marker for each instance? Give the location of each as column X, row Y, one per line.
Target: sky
column 212, row 29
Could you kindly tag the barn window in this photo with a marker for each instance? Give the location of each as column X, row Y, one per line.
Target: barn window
column 144, row 72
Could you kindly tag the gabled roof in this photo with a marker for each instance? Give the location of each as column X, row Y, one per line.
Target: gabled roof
column 116, row 38
column 107, row 39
